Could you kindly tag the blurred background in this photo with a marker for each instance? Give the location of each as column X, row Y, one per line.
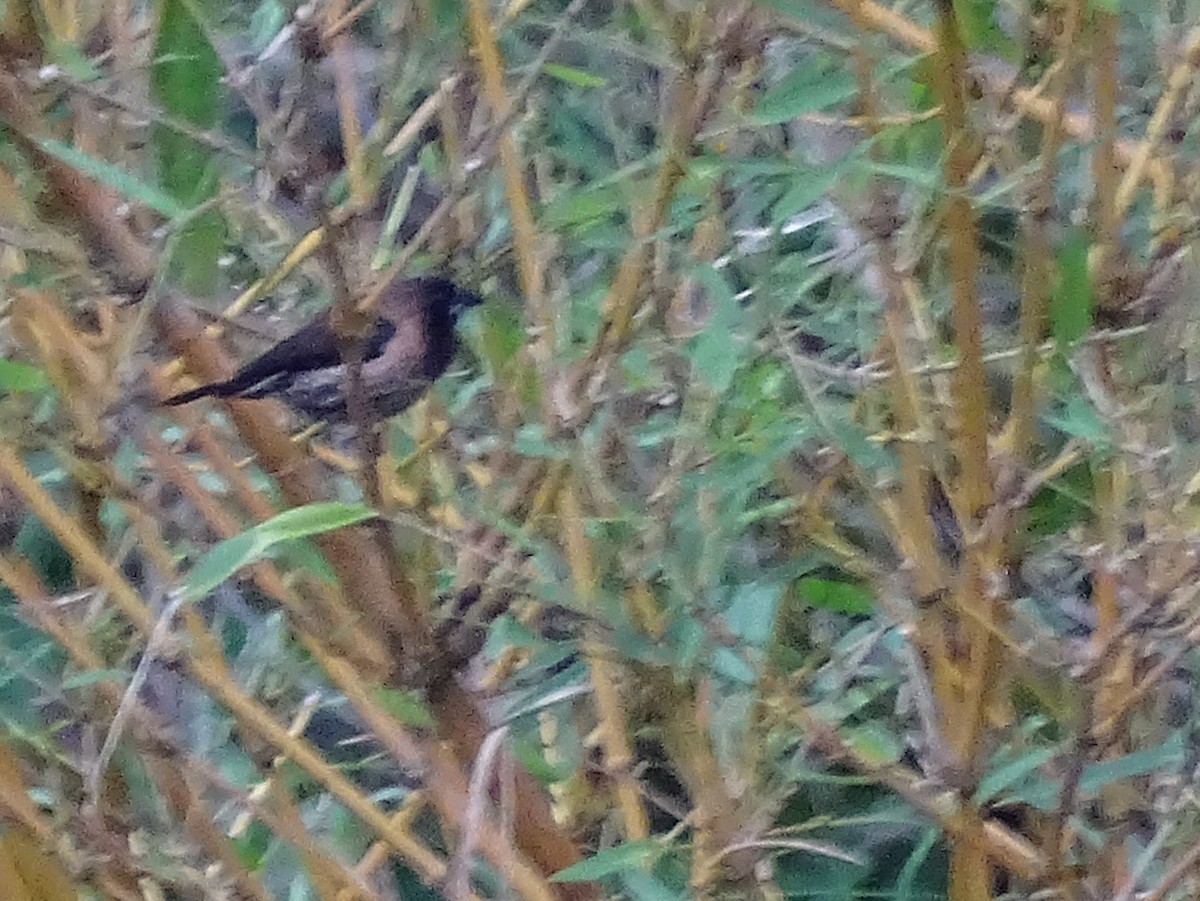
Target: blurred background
column 810, row 511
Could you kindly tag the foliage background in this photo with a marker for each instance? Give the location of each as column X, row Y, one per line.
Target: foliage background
column 812, row 513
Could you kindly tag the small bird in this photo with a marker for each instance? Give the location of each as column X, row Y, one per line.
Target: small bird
column 409, row 345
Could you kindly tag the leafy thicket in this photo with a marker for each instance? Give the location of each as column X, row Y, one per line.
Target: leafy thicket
column 811, row 513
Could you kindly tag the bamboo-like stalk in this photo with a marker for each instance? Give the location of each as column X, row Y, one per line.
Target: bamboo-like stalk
column 605, row 677
column 969, row 876
column 1112, row 479
column 685, row 107
column 719, row 818
column 26, row 868
column 525, row 241
column 346, row 92
column 1179, row 81
column 1105, row 172
column 334, row 619
column 447, row 787
column 1036, row 246
column 912, row 529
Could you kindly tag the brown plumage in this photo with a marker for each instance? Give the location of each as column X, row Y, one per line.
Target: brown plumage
column 409, row 345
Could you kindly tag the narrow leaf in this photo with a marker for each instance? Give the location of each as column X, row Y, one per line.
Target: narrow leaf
column 1071, row 304
column 813, row 86
column 614, row 860
column 230, row 555
column 313, row 519
column 114, row 177
column 574, row 76
column 831, row 594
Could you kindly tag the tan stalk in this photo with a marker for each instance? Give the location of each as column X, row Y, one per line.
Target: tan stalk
column 1112, row 480
column 1036, row 245
column 333, row 619
column 718, row 817
column 975, row 589
column 26, row 870
column 1105, row 173
column 346, row 92
column 525, row 240
column 447, row 786
column 686, row 105
column 1006, row 848
column 404, row 750
column 1179, row 82
column 606, row 678
column 913, row 532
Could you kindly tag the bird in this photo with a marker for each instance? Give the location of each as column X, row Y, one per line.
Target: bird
column 410, row 343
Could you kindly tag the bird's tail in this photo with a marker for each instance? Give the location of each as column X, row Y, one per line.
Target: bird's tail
column 217, row 389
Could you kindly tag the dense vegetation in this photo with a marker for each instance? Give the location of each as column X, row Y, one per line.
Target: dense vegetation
column 811, row 512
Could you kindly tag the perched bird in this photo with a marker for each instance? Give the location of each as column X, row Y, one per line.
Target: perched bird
column 409, row 345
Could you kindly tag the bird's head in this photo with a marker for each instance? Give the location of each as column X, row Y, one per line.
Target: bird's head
column 442, row 296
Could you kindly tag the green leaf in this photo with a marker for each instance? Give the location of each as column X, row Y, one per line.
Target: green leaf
column 844, row 597
column 76, row 65
column 114, row 177
column 1079, row 419
column 19, row 377
column 816, row 84
column 1071, row 303
column 728, row 663
column 531, row 441
column 585, row 207
column 643, row 886
column 92, row 677
column 187, row 70
column 221, row 562
column 405, row 706
column 499, row 335
column 715, row 352
column 302, row 554
column 232, row 554
column 807, row 187
column 906, row 882
column 269, row 17
column 574, row 76
column 1012, row 773
column 1061, row 503
column 312, row 519
column 619, row 859
column 751, row 612
column 977, row 25
column 1165, row 757
column 186, row 79
column 871, row 742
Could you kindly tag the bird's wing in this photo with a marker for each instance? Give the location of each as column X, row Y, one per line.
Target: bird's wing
column 313, row 347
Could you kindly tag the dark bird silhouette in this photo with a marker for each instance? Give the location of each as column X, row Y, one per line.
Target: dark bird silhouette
column 408, row 346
